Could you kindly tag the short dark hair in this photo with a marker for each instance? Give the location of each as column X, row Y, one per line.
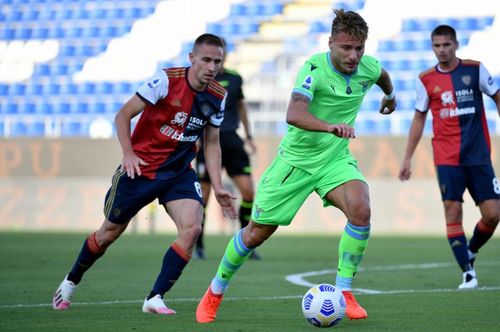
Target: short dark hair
column 349, row 22
column 208, row 39
column 444, row 30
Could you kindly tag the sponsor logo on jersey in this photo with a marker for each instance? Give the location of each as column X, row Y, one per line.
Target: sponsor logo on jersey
column 436, row 89
column 464, row 95
column 179, row 119
column 490, row 80
column 453, row 112
column 307, row 82
column 450, row 110
column 176, row 135
column 153, row 83
column 196, row 123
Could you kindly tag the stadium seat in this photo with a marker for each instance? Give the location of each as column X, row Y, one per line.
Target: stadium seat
column 74, row 128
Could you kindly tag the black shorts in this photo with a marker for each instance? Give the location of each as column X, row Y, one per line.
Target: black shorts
column 480, row 180
column 235, row 159
column 128, row 196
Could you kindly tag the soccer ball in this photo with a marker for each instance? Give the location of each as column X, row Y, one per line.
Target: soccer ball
column 323, row 305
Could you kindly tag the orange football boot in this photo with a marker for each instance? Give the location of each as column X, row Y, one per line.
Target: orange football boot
column 353, row 309
column 207, row 308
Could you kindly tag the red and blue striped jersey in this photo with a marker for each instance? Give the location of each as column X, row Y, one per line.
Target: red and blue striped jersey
column 173, row 120
column 459, row 124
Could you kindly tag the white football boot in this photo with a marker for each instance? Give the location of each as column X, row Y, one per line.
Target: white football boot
column 469, row 280
column 63, row 294
column 155, row 305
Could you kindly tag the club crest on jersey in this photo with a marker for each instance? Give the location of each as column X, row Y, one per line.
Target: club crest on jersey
column 467, row 79
column 179, row 119
column 307, row 82
column 364, row 85
column 447, row 98
column 206, row 109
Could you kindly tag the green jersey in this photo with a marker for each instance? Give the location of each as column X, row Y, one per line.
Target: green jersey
column 334, row 98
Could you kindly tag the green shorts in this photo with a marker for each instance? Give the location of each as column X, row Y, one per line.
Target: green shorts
column 283, row 188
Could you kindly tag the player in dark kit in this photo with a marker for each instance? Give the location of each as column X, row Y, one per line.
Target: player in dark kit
column 235, row 159
column 177, row 106
column 453, row 90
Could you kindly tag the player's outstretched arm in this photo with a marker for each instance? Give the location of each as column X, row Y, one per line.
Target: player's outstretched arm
column 416, row 130
column 496, row 98
column 213, row 164
column 388, row 103
column 130, row 161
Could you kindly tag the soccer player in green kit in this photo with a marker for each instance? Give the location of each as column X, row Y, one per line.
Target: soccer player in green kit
column 314, row 156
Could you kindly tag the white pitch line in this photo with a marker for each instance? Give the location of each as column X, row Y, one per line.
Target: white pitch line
column 296, row 279
column 262, row 298
column 299, row 278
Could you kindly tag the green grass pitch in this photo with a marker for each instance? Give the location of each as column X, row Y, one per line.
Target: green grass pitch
column 406, row 284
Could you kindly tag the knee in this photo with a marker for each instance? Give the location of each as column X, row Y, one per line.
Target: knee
column 252, row 239
column 106, row 238
column 254, row 236
column 190, row 233
column 360, row 215
column 491, row 219
column 247, row 195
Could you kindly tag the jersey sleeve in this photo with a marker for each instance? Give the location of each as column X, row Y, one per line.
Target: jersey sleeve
column 422, row 99
column 487, row 83
column 306, row 81
column 372, row 66
column 154, row 89
column 215, row 119
column 240, row 94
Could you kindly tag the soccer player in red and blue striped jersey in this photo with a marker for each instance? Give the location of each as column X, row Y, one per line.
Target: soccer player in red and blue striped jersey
column 177, row 105
column 453, row 90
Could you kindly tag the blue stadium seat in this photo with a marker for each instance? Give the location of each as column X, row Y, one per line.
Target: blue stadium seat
column 17, row 89
column 7, row 33
column 35, row 89
column 4, row 88
column 81, row 108
column 43, row 108
column 40, row 33
column 9, row 108
column 23, row 33
column 27, row 108
column 68, row 89
column 61, row 108
column 319, row 27
column 74, row 128
column 238, row 9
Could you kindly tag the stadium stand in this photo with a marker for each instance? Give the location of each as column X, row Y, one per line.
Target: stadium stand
column 70, row 64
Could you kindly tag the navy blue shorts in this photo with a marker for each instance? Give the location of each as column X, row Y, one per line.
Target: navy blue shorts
column 480, row 180
column 128, row 196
